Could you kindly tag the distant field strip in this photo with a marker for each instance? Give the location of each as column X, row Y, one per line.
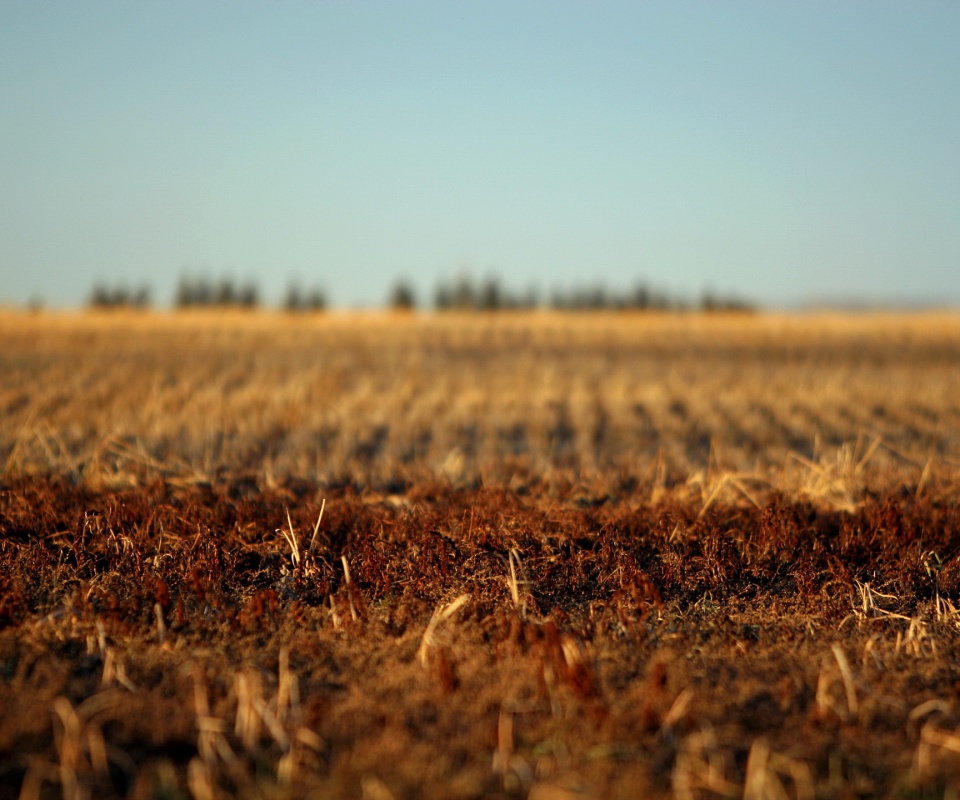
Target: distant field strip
column 619, row 400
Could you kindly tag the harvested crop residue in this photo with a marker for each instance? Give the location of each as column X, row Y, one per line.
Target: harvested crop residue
column 227, row 639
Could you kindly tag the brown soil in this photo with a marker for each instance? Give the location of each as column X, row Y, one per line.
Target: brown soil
column 540, row 641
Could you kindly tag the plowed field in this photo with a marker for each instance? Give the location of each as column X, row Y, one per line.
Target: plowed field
column 531, row 556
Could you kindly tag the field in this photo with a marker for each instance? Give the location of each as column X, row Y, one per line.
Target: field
column 535, row 555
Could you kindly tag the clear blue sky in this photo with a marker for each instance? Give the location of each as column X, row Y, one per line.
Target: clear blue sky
column 786, row 151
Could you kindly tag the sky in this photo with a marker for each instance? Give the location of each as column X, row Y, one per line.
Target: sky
column 786, row 152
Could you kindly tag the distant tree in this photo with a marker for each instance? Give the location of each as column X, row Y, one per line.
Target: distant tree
column 201, row 293
column 317, row 300
column 183, row 297
column 528, row 301
column 293, row 300
column 100, row 296
column 403, row 298
column 491, row 297
column 640, row 299
column 443, row 298
column 193, row 292
column 226, row 293
column 711, row 302
column 204, row 293
column 297, row 300
column 248, row 296
column 595, row 299
column 106, row 297
column 141, row 297
column 464, row 296
column 458, row 296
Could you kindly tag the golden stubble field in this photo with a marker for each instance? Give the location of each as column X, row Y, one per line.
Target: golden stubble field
column 773, row 402
column 520, row 555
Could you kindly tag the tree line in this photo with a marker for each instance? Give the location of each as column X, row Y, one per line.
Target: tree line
column 463, row 294
column 193, row 292
column 489, row 295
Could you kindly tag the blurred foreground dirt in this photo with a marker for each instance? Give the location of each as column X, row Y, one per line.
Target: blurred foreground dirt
column 175, row 642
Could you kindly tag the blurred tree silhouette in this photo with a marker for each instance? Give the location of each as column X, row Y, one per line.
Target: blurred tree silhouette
column 297, row 300
column 464, row 295
column 103, row 296
column 403, row 297
column 193, row 292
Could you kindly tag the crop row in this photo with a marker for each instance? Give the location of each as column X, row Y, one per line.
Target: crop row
column 391, row 400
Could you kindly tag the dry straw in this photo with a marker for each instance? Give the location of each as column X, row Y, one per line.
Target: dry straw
column 441, row 614
column 815, row 406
